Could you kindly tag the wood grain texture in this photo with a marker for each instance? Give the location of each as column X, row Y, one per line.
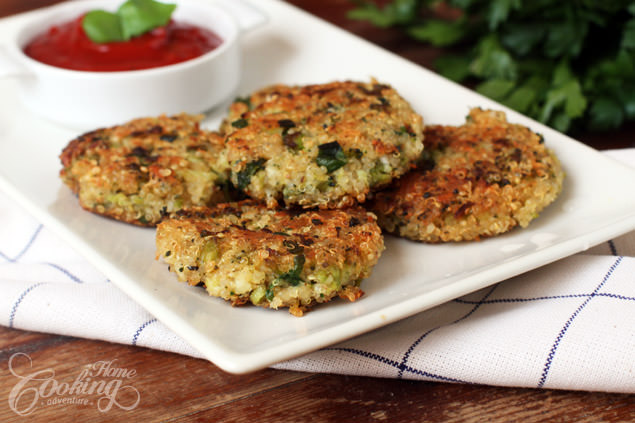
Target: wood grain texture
column 356, row 399
column 10, row 7
column 173, row 388
column 168, row 385
column 183, row 389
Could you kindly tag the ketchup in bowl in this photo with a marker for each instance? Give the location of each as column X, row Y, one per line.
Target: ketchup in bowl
column 67, row 46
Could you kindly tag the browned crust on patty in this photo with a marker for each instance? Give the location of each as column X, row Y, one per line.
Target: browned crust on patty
column 278, row 137
column 244, row 252
column 143, row 170
column 474, row 181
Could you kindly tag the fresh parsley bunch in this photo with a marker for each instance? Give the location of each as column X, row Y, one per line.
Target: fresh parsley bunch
column 567, row 63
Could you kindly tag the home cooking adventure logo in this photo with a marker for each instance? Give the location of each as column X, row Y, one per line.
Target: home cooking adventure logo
column 101, row 384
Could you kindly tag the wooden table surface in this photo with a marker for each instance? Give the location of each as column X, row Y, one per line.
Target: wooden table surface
column 177, row 388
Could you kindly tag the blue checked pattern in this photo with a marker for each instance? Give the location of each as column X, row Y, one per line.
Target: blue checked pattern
column 16, row 259
column 403, row 368
column 552, row 352
column 399, row 362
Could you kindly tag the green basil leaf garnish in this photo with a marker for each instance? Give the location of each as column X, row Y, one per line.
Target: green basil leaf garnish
column 133, row 18
column 331, row 156
column 102, row 27
column 141, row 16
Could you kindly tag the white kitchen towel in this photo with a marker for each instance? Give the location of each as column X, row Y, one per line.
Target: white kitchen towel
column 568, row 325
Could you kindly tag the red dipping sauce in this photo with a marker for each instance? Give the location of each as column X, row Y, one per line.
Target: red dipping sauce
column 67, row 46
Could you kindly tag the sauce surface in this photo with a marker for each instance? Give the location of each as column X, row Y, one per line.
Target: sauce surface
column 67, row 46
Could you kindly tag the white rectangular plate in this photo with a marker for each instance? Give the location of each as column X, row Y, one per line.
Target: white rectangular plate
column 293, row 47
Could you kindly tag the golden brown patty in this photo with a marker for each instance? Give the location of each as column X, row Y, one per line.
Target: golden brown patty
column 147, row 168
column 323, row 145
column 476, row 180
column 244, row 252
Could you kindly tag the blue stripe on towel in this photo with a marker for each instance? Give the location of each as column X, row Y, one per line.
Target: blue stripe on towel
column 394, row 364
column 612, row 247
column 19, row 301
column 25, row 248
column 66, row 272
column 402, row 365
column 548, row 297
column 563, row 331
column 141, row 328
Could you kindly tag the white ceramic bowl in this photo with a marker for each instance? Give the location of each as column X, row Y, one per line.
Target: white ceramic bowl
column 84, row 100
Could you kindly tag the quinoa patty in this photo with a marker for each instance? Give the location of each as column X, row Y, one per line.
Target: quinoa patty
column 324, row 145
column 474, row 181
column 244, row 252
column 141, row 171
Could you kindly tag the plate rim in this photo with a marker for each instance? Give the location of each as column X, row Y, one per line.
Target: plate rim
column 244, row 362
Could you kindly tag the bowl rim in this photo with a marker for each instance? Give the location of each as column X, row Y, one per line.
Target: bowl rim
column 47, row 17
